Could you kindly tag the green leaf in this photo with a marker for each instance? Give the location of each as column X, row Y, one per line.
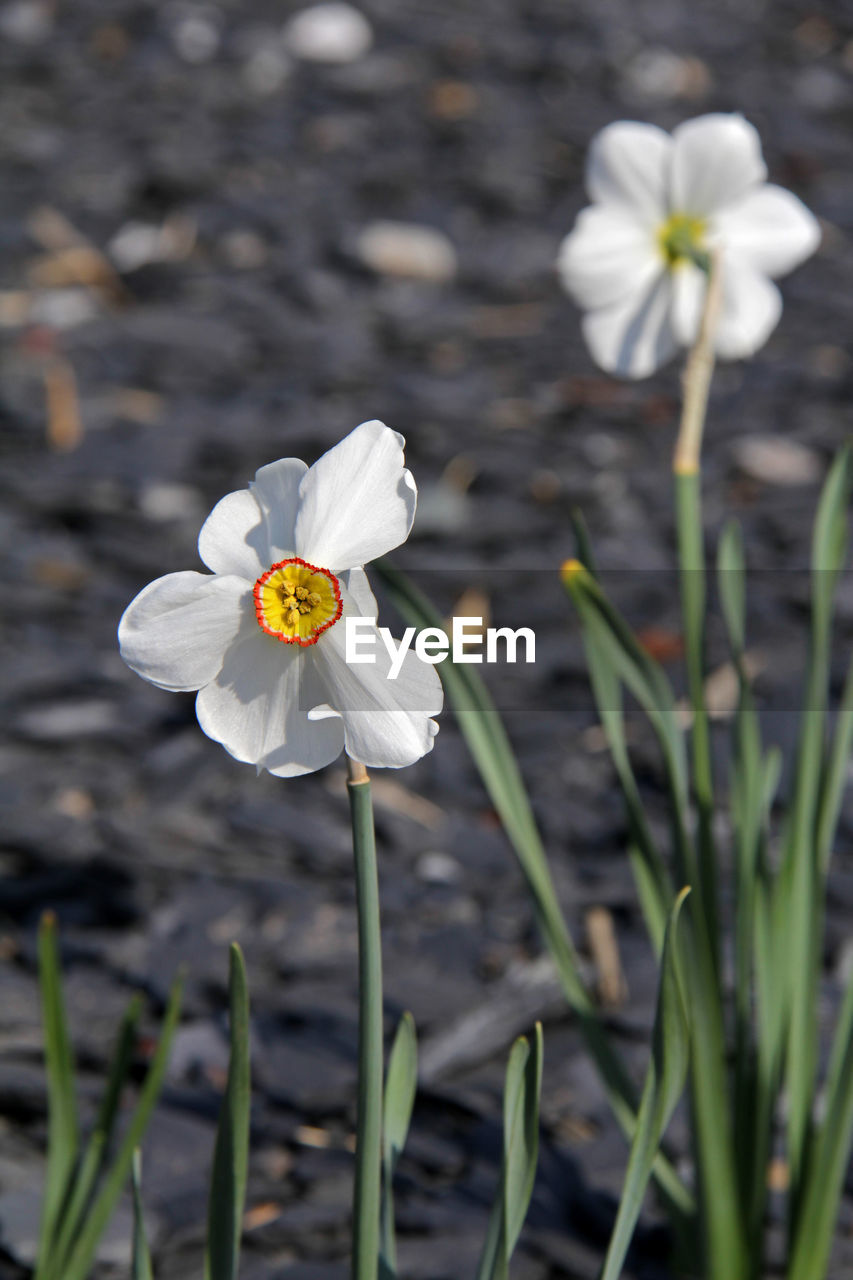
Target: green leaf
column 521, row 1147
column 400, row 1087
column 63, row 1133
column 521, row 1134
column 611, row 640
column 801, row 871
column 231, row 1153
column 84, row 1179
column 664, row 1084
column 654, row 885
column 835, row 776
column 493, row 756
column 141, row 1260
column 823, row 1180
column 731, row 584
column 83, row 1252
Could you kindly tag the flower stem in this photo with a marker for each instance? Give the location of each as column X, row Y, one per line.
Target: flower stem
column 366, row 1199
column 724, row 1244
column 697, row 378
column 691, row 555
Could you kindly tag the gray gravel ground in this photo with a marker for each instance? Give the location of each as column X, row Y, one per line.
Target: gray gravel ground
column 241, row 314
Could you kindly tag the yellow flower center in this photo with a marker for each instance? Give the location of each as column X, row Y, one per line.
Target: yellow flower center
column 682, row 239
column 296, row 601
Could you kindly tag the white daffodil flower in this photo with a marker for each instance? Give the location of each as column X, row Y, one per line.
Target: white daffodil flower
column 662, row 202
column 262, row 638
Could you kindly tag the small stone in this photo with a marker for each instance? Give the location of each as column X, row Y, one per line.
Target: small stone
column 265, row 70
column 438, row 868
column 63, row 308
column 659, row 75
column 196, row 33
column 67, row 721
column 137, row 244
column 244, row 250
column 134, row 246
column 775, row 460
column 26, row 21
column 335, row 33
column 408, row 250
column 162, row 502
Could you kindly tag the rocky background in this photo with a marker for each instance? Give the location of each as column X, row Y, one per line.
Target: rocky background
column 197, row 276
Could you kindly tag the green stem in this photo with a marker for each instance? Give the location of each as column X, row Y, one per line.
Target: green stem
column 366, row 1200
column 691, row 555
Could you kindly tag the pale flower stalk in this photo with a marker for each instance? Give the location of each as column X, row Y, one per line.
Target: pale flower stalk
column 662, row 203
column 262, row 637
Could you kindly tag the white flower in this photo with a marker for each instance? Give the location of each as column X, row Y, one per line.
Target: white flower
column 262, row 638
column 659, row 201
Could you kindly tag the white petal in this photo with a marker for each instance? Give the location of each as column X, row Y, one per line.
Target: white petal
column 276, row 490
column 628, row 165
column 361, row 599
column 258, row 704
column 770, row 227
column 688, row 299
column 750, row 309
column 716, row 160
column 633, row 337
column 607, row 255
column 387, row 722
column 232, row 538
column 176, row 632
column 357, row 501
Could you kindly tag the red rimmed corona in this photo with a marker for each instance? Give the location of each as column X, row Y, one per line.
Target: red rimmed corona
column 295, row 601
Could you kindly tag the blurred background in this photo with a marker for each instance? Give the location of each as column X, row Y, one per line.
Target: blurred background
column 229, row 232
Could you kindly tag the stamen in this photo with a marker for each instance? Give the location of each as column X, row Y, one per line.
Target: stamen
column 682, row 239
column 295, row 601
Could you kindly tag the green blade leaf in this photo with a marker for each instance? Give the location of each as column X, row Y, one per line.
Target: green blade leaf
column 83, row 1252
column 731, row 584
column 609, row 637
column 823, row 1180
column 231, row 1153
column 63, row 1133
column 493, row 756
column 801, row 868
column 664, row 1084
column 521, row 1147
column 401, row 1082
column 141, row 1260
column 400, row 1087
column 654, row 886
column 94, row 1156
column 521, row 1134
column 835, row 776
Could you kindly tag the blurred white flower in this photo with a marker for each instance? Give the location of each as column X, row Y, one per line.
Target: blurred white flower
column 262, row 638
column 660, row 202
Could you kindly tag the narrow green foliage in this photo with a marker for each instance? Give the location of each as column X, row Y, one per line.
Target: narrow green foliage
column 493, row 756
column 368, row 1148
column 231, row 1152
column 400, row 1086
column 521, row 1147
column 141, row 1258
column 613, row 641
column 802, row 871
column 521, row 1134
column 664, row 1084
column 654, row 886
column 691, row 556
column 63, row 1134
column 835, row 776
column 81, row 1256
column 824, row 1180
